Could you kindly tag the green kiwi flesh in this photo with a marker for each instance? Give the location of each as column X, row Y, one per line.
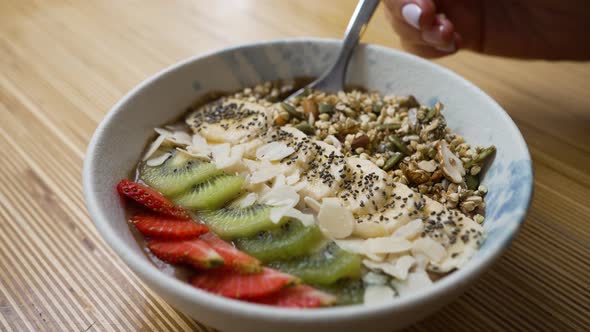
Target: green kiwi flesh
column 177, row 174
column 211, row 194
column 324, row 267
column 232, row 222
column 292, row 239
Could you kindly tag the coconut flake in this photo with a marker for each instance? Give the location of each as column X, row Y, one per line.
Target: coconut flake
column 220, row 152
column 180, row 137
column 427, row 246
column 197, row 154
column 352, row 245
column 403, row 265
column 278, row 212
column 374, row 278
column 305, row 218
column 157, row 161
column 281, row 195
column 397, row 268
column 154, row 146
column 376, row 294
column 386, row 245
column 198, row 140
column 334, row 220
column 274, row 151
column 300, row 185
column 414, row 282
column 369, row 229
column 246, row 200
column 293, row 178
column 410, row 230
column 251, row 147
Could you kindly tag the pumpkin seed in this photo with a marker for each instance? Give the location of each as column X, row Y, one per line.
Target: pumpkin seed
column 400, row 146
column 471, row 181
column 305, row 127
column 390, row 126
column 292, row 111
column 326, row 108
column 392, row 161
column 483, row 155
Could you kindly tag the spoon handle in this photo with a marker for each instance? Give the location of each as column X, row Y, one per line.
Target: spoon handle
column 333, row 79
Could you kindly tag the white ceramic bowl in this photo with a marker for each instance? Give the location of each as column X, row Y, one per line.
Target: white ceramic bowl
column 118, row 142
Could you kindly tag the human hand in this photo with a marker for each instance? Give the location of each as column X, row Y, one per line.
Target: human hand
column 548, row 29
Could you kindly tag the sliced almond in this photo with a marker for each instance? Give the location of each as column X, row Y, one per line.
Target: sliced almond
column 410, row 230
column 376, row 294
column 245, row 200
column 281, row 195
column 452, row 166
column 427, row 246
column 369, row 229
column 387, row 245
column 334, row 220
column 157, row 161
column 274, row 151
column 428, row 166
column 415, row 281
column 154, row 146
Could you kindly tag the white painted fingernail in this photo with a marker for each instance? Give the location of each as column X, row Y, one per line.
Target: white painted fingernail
column 448, row 49
column 411, row 13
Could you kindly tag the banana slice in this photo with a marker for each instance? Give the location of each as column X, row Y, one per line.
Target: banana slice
column 324, row 171
column 459, row 234
column 366, row 187
column 231, row 121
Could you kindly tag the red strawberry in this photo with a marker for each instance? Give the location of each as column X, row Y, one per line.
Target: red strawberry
column 235, row 285
column 194, row 252
column 151, row 199
column 299, row 296
column 238, row 260
column 167, row 227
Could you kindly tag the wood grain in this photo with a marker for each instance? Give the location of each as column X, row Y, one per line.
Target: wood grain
column 63, row 64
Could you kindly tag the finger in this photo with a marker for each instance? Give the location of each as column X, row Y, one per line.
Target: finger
column 441, row 35
column 420, row 14
column 425, row 51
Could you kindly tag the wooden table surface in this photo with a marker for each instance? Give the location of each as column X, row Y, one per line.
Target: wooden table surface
column 63, row 64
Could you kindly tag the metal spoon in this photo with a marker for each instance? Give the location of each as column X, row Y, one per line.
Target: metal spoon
column 333, row 79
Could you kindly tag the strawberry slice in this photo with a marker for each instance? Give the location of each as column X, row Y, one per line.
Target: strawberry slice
column 299, row 296
column 167, row 227
column 235, row 285
column 194, row 252
column 234, row 258
column 151, row 199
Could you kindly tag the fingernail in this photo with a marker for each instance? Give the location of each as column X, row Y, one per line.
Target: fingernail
column 448, row 49
column 411, row 13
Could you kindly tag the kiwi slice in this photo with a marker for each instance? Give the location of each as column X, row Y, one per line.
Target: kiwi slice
column 292, row 239
column 211, row 194
column 348, row 291
column 233, row 222
column 177, row 173
column 324, row 267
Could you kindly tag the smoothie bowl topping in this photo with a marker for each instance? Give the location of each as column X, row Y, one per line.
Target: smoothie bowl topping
column 325, row 199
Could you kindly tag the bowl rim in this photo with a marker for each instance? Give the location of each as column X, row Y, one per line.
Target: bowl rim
column 244, row 309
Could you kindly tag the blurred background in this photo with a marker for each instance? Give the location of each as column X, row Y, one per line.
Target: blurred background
column 64, row 63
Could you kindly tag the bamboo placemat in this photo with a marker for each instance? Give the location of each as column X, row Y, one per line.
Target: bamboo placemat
column 63, row 64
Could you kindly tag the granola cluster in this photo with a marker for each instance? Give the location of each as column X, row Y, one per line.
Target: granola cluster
column 410, row 141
